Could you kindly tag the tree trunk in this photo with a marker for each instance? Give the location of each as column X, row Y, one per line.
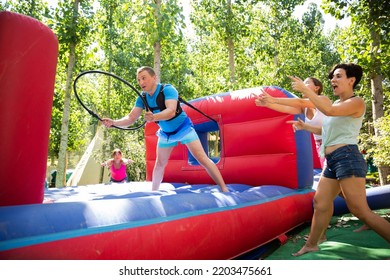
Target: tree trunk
column 231, row 63
column 62, row 162
column 377, row 112
column 377, row 90
column 230, row 45
column 157, row 59
column 157, row 44
column 111, row 10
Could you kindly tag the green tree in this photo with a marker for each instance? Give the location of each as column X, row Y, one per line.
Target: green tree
column 269, row 45
column 367, row 43
column 71, row 29
column 37, row 9
column 222, row 24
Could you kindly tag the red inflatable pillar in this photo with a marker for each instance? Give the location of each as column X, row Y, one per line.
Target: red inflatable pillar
column 28, row 60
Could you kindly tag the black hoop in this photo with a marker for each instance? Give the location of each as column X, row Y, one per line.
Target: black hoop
column 95, row 115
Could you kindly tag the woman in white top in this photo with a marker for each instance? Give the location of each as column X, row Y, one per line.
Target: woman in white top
column 345, row 169
column 313, row 117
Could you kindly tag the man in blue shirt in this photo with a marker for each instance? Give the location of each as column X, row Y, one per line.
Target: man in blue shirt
column 175, row 126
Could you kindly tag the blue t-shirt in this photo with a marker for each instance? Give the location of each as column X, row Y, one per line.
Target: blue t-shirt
column 170, row 93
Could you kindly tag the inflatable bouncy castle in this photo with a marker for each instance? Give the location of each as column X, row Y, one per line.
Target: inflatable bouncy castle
column 268, row 169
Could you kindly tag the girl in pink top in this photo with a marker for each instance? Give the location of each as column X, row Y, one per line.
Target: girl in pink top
column 117, row 166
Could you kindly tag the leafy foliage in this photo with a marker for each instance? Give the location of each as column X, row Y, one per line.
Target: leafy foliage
column 379, row 147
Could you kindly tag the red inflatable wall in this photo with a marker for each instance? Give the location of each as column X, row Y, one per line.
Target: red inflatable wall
column 316, row 159
column 28, row 59
column 258, row 146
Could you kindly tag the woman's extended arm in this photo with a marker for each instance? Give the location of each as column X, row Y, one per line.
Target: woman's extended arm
column 298, row 85
column 301, row 125
column 284, row 105
column 268, row 102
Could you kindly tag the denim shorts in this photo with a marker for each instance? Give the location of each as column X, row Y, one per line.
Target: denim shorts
column 185, row 139
column 345, row 162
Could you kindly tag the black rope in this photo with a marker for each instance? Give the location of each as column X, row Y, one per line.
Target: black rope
column 95, row 115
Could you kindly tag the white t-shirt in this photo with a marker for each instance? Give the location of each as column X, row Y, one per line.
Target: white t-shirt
column 317, row 120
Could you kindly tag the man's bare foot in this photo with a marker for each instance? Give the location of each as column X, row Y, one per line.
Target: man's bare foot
column 362, row 228
column 225, row 189
column 305, row 249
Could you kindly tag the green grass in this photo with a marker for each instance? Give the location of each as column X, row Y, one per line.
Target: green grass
column 342, row 243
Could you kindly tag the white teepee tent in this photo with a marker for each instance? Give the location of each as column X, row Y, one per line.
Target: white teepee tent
column 88, row 170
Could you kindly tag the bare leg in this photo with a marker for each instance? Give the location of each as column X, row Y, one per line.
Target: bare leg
column 326, row 191
column 322, row 238
column 159, row 167
column 354, row 190
column 363, row 227
column 197, row 151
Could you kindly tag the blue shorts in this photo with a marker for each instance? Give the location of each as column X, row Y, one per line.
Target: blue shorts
column 345, row 162
column 188, row 137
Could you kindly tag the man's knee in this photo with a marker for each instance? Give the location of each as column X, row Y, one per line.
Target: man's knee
column 160, row 163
